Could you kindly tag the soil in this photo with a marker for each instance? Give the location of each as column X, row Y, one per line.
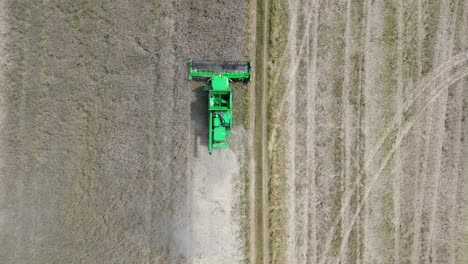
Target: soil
column 103, row 139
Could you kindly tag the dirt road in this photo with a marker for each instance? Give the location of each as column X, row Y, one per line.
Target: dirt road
column 103, row 153
column 367, row 120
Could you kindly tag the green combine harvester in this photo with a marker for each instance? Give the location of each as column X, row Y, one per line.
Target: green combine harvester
column 219, row 74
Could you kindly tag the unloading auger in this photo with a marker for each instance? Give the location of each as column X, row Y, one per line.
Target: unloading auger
column 219, row 74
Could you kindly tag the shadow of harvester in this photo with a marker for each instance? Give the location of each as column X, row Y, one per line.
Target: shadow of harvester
column 199, row 117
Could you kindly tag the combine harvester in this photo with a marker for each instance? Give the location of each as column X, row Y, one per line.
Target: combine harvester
column 219, row 74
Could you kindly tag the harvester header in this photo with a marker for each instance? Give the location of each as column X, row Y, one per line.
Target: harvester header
column 219, row 74
column 234, row 70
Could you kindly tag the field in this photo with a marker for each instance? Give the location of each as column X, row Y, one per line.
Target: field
column 367, row 108
column 349, row 146
column 103, row 138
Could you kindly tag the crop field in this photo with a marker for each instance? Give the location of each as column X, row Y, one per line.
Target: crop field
column 368, row 106
column 103, row 153
column 348, row 147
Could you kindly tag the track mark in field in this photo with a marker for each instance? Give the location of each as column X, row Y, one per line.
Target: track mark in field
column 264, row 134
column 312, row 82
column 360, row 142
column 400, row 137
column 349, row 162
column 346, row 202
column 398, row 170
column 41, row 89
column 419, row 143
column 298, row 208
column 293, row 65
column 299, row 213
column 364, row 204
column 447, row 34
column 457, row 61
column 420, row 37
column 298, row 228
column 414, row 95
column 21, row 184
column 459, row 214
column 430, row 81
column 403, row 132
column 292, row 252
column 452, row 169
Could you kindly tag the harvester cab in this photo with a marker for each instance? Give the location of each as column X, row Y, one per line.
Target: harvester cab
column 219, row 75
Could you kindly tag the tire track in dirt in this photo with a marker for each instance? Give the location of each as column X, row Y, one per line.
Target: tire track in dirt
column 298, row 61
column 40, row 91
column 421, row 193
column 302, row 244
column 411, row 102
column 290, row 169
column 311, row 85
column 402, row 133
column 297, row 211
column 462, row 213
column 426, row 171
column 397, row 164
column 364, row 204
column 446, row 240
column 295, row 58
column 446, row 46
column 369, row 162
column 386, row 153
column 346, row 201
column 419, row 143
column 22, row 229
column 28, row 118
column 360, row 141
column 318, row 128
column 292, row 64
column 348, row 136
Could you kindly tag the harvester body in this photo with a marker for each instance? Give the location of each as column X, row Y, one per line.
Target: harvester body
column 219, row 75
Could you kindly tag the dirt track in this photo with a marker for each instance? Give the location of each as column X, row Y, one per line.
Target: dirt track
column 368, row 119
column 103, row 152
